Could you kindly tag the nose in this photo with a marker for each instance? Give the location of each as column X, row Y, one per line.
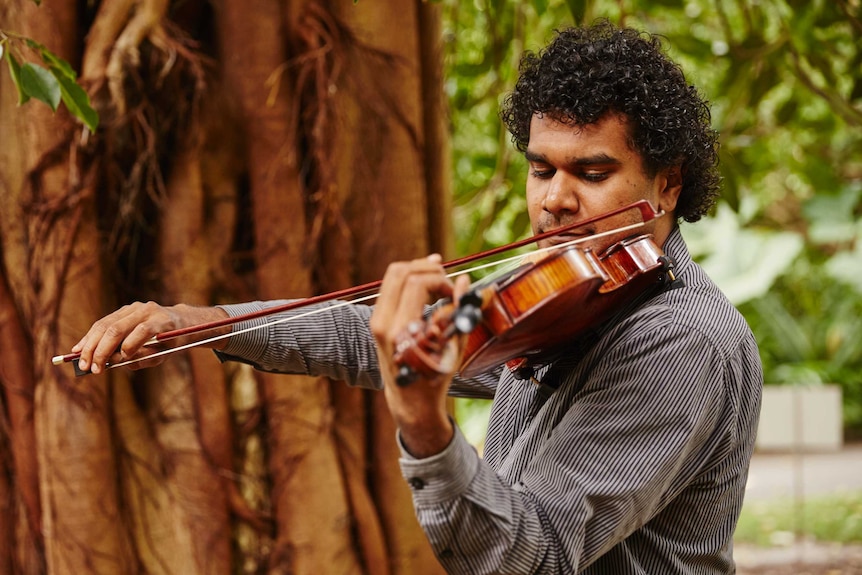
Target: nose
column 561, row 197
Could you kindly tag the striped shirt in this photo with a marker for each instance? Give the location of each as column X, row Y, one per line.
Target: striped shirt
column 636, row 463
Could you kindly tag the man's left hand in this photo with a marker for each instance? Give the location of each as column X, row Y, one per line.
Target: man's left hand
column 419, row 409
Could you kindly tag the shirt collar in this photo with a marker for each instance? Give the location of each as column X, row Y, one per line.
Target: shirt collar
column 675, row 248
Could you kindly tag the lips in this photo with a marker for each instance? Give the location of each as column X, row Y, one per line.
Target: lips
column 566, row 237
column 563, row 239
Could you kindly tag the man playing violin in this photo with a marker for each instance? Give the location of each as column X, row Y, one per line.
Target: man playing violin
column 629, row 451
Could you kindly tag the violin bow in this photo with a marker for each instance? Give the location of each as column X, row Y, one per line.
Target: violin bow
column 647, row 212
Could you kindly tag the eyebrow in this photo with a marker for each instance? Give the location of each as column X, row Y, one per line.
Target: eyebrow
column 596, row 159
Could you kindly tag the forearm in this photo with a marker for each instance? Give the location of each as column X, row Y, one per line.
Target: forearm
column 199, row 316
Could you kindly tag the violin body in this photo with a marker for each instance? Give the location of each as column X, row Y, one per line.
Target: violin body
column 539, row 308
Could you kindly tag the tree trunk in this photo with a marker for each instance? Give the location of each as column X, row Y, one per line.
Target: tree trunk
column 60, row 284
column 272, row 149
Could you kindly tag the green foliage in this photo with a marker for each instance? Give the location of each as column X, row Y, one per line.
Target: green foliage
column 472, row 416
column 743, row 259
column 784, row 78
column 578, row 8
column 809, row 329
column 51, row 83
column 485, row 41
column 834, row 519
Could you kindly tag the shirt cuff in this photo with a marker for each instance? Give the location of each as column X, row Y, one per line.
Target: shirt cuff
column 441, row 477
column 245, row 341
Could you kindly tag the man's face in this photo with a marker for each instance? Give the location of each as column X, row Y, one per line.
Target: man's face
column 578, row 172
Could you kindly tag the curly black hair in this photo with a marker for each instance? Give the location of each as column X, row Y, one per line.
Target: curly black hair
column 585, row 73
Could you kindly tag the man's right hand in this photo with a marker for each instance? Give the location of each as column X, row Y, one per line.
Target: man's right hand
column 121, row 335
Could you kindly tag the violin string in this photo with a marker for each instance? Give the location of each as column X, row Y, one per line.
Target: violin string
column 293, row 317
column 520, row 257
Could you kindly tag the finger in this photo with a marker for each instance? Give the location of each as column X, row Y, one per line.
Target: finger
column 397, row 272
column 156, row 321
column 387, row 317
column 462, row 286
column 419, row 289
column 106, row 347
column 90, row 342
column 406, row 289
column 116, row 329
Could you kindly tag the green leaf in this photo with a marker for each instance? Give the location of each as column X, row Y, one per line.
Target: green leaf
column 578, row 8
column 55, row 62
column 787, row 111
column 52, row 59
column 40, row 84
column 744, row 262
column 76, row 99
column 15, row 72
column 34, row 44
column 765, row 81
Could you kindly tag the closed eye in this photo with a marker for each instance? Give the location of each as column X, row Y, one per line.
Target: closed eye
column 595, row 176
column 594, row 169
column 542, row 173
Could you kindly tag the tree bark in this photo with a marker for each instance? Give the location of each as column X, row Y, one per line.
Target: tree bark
column 299, row 417
column 16, row 380
column 390, row 201
column 261, row 150
column 62, row 285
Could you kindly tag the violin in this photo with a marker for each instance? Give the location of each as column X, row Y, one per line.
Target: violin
column 527, row 314
column 534, row 311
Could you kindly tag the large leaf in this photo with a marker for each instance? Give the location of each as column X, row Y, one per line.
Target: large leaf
column 41, row 84
column 789, row 334
column 58, row 65
column 831, row 218
column 52, row 85
column 743, row 262
column 846, row 266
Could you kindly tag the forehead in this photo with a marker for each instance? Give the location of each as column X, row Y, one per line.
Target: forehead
column 611, row 134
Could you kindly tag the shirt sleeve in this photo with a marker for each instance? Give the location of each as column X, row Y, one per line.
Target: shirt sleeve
column 331, row 339
column 641, row 421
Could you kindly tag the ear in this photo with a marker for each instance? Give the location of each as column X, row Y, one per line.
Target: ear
column 669, row 181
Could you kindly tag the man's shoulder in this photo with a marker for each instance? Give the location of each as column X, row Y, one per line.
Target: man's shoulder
column 698, row 308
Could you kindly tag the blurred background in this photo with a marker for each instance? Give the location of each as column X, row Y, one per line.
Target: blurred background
column 785, row 81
